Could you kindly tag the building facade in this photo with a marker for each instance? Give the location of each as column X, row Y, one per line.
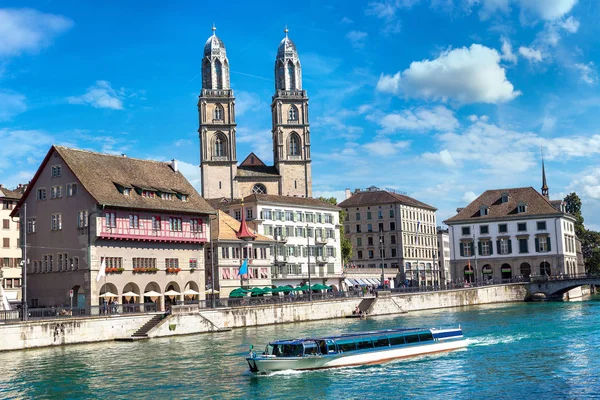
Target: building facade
column 229, row 248
column 221, row 175
column 295, row 224
column 512, row 233
column 10, row 250
column 443, row 240
column 394, row 231
column 98, row 224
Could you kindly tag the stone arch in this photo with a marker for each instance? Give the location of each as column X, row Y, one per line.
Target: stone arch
column 220, row 146
column 78, row 296
column 468, row 273
column 294, row 144
column 152, row 287
column 219, row 112
column 191, row 285
column 506, row 271
column 525, row 270
column 487, row 272
column 206, row 74
column 218, row 74
column 293, row 113
column 131, row 288
column 174, row 298
column 545, row 268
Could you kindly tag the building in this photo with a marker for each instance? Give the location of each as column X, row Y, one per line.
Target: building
column 394, row 230
column 139, row 223
column 443, row 240
column 221, row 175
column 232, row 242
column 10, row 253
column 295, row 223
column 510, row 233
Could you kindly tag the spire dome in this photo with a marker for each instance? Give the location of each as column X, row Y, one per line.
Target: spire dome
column 215, row 66
column 288, row 72
column 214, row 45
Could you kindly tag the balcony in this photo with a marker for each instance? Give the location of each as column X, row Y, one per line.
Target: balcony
column 217, row 93
column 321, row 240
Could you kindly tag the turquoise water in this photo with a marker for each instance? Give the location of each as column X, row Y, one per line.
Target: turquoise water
column 516, row 351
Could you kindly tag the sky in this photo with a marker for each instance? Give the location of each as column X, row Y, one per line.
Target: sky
column 438, row 99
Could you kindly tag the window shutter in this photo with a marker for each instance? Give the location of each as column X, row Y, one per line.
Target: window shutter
column 479, row 248
column 472, row 245
column 262, row 215
column 509, row 246
column 462, row 249
column 537, row 245
column 334, row 252
column 491, row 248
column 548, row 242
column 498, row 246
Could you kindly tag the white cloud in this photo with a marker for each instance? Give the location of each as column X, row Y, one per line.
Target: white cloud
column 571, row 25
column 28, row 30
column 357, row 38
column 531, row 54
column 548, row 123
column 468, row 197
column 385, row 147
column 437, row 118
column 20, row 150
column 382, row 10
column 246, row 101
column 466, row 75
column 386, row 11
column 588, row 73
column 191, row 173
column 548, row 9
column 100, row 95
column 443, row 157
column 260, row 143
column 507, row 53
column 11, row 104
column 346, row 20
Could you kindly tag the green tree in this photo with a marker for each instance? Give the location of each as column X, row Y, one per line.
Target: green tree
column 573, row 207
column 345, row 243
column 590, row 240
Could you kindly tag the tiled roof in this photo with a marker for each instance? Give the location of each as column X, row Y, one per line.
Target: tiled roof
column 536, row 205
column 374, row 197
column 286, row 200
column 12, row 194
column 257, row 171
column 229, row 226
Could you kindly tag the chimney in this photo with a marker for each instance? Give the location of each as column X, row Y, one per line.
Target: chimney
column 123, row 155
column 174, row 165
column 348, row 193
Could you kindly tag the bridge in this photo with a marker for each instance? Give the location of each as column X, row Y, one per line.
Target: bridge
column 556, row 286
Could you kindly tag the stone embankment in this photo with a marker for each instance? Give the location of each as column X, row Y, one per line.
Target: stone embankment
column 190, row 320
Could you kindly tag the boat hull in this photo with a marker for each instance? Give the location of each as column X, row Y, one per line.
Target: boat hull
column 355, row 358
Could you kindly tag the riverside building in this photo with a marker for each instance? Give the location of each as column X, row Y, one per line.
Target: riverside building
column 393, row 231
column 443, row 240
column 137, row 225
column 10, row 252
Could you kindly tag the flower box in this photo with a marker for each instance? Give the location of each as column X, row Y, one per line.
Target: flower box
column 173, row 270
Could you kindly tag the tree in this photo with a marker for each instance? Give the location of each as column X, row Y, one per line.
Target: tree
column 590, row 240
column 573, row 207
column 345, row 243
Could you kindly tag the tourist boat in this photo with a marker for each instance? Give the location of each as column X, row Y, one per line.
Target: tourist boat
column 353, row 349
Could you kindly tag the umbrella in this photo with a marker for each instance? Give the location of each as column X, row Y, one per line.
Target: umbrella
column 191, row 292
column 130, row 294
column 239, row 292
column 255, row 291
column 152, row 293
column 172, row 293
column 285, row 289
column 301, row 288
column 108, row 294
column 267, row 289
column 208, row 291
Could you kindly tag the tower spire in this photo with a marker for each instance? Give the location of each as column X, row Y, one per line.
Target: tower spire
column 214, row 29
column 544, row 185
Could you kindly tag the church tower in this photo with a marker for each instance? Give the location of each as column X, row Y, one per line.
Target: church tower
column 291, row 133
column 216, row 111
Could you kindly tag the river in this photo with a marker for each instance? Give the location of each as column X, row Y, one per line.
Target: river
column 516, row 351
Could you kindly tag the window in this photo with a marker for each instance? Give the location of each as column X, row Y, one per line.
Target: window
column 294, row 144
column 71, row 189
column 41, row 194
column 175, row 224
column 6, row 243
column 521, row 207
column 238, row 215
column 541, row 225
column 357, row 228
column 392, row 226
column 148, row 193
column 220, row 146
column 502, row 228
column 380, row 227
column 484, row 229
column 483, row 210
column 466, row 230
column 467, row 249
column 111, row 220
column 369, row 228
column 134, row 221
column 522, row 226
column 371, row 254
column 167, row 196
column 6, row 224
column 259, row 188
column 75, row 264
column 504, row 198
column 543, row 243
column 193, row 263
column 293, row 113
column 359, row 241
column 219, row 112
column 393, row 239
column 485, row 248
column 56, row 171
column 369, row 215
column 56, row 222
column 126, row 191
column 56, row 192
column 504, row 246
column 370, row 241
column 196, row 225
column 380, row 214
column 391, row 213
column 156, row 223
column 82, row 219
column 523, row 246
column 300, row 216
column 359, row 254
column 393, row 252
column 141, row 262
column 31, row 225
column 6, row 205
column 171, row 263
column 358, row 216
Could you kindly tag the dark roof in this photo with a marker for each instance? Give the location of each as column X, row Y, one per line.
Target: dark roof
column 290, row 200
column 101, row 174
column 257, row 171
column 374, row 197
column 536, row 205
column 12, row 194
column 252, row 160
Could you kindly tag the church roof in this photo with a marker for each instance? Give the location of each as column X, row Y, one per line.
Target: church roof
column 252, row 160
column 214, row 43
column 536, row 205
column 257, row 171
column 285, row 46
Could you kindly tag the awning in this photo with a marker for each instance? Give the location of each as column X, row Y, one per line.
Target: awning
column 152, row 293
column 130, row 294
column 108, row 294
column 172, row 293
column 192, row 292
column 375, row 281
column 506, row 270
column 361, row 282
column 349, row 282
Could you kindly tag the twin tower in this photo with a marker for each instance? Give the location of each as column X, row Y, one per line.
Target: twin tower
column 222, row 177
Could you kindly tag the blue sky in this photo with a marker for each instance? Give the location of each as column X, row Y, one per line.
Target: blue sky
column 441, row 99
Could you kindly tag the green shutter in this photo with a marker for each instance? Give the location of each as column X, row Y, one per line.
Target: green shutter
column 491, row 248
column 537, row 245
column 548, row 242
column 498, row 246
column 509, row 246
column 479, row 248
column 472, row 245
column 462, row 249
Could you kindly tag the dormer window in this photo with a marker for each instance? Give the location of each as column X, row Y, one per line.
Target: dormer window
column 184, row 197
column 521, row 207
column 504, row 197
column 126, row 191
column 167, row 196
column 148, row 193
column 483, row 210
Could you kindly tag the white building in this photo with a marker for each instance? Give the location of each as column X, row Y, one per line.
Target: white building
column 10, row 252
column 444, row 254
column 295, row 223
column 508, row 233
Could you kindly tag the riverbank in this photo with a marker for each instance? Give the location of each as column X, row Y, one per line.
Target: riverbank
column 187, row 320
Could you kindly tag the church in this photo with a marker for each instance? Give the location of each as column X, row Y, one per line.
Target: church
column 222, row 176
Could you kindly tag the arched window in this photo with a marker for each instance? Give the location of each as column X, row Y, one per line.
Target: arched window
column 294, row 144
column 545, row 268
column 468, row 273
column 220, row 146
column 293, row 113
column 525, row 270
column 219, row 74
column 291, row 72
column 219, row 112
column 259, row 188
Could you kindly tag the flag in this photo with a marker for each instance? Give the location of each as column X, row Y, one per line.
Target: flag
column 244, row 268
column 101, row 271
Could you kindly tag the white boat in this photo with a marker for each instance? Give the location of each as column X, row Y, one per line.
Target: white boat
column 354, row 349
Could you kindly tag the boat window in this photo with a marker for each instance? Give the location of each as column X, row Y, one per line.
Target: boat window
column 396, row 340
column 331, row 346
column 364, row 343
column 322, row 346
column 424, row 337
column 412, row 338
column 381, row 341
column 291, row 350
column 310, row 349
column 346, row 345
